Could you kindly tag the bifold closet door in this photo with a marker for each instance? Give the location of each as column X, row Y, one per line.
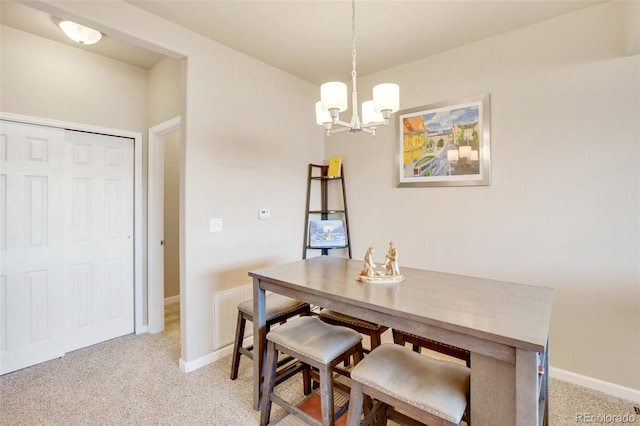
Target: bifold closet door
column 66, row 241
column 31, row 244
column 98, row 238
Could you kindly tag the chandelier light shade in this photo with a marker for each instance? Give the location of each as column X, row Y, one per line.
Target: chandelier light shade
column 333, row 100
column 333, row 95
column 369, row 114
column 322, row 117
column 79, row 33
column 386, row 97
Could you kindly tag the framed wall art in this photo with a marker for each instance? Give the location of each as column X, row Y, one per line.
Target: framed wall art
column 327, row 233
column 444, row 144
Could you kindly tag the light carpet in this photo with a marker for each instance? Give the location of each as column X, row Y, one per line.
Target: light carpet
column 136, row 380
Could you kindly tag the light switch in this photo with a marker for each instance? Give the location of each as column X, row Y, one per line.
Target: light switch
column 215, row 225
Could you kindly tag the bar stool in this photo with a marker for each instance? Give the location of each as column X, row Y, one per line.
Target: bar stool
column 433, row 391
column 318, row 345
column 417, row 342
column 278, row 309
column 374, row 331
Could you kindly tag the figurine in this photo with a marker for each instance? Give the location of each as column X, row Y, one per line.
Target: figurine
column 369, row 268
column 391, row 261
column 391, row 274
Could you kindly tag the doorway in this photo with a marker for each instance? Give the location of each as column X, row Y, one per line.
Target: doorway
column 158, row 135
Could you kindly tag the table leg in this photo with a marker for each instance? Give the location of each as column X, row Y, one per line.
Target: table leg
column 505, row 393
column 527, row 390
column 259, row 340
column 492, row 391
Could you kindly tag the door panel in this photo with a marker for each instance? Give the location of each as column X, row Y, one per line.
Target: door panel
column 66, row 241
column 98, row 238
column 31, row 240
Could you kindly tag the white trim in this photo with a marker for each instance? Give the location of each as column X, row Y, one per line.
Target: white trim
column 155, row 222
column 171, row 299
column 138, row 254
column 595, row 384
column 188, row 367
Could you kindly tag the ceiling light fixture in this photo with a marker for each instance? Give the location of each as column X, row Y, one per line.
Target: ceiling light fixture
column 333, row 100
column 79, row 33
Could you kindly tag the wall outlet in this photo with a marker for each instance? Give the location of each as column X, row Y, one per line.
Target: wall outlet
column 215, row 225
column 264, row 214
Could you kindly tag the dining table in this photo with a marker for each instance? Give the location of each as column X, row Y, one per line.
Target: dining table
column 504, row 326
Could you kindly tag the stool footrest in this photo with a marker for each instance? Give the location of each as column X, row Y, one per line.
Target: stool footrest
column 289, row 371
column 292, row 409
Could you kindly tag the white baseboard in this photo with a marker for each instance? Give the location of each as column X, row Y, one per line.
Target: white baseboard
column 595, row 384
column 188, row 367
column 172, row 299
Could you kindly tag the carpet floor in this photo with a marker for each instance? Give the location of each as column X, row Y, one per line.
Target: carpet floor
column 136, row 380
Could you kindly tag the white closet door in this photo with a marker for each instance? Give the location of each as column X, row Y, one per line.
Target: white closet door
column 98, row 238
column 31, row 245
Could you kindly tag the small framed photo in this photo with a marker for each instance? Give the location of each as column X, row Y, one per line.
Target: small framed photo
column 445, row 144
column 327, row 233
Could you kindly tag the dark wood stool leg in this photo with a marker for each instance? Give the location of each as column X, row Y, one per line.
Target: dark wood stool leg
column 269, row 383
column 306, row 380
column 376, row 340
column 235, row 362
column 355, row 404
column 326, row 395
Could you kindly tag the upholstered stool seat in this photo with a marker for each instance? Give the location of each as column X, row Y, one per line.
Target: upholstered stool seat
column 374, row 331
column 278, row 309
column 316, row 344
column 431, row 390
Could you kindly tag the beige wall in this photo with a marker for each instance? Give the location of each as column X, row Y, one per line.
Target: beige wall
column 46, row 79
column 563, row 207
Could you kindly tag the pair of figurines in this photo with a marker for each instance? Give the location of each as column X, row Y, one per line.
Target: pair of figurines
column 391, row 273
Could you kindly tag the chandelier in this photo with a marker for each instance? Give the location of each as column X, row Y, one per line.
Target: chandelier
column 333, row 100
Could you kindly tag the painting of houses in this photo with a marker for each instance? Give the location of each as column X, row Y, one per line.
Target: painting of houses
column 444, row 143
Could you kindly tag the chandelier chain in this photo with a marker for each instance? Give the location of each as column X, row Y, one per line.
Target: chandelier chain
column 353, row 38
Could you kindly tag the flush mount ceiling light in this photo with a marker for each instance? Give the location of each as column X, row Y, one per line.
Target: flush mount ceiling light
column 333, row 100
column 79, row 33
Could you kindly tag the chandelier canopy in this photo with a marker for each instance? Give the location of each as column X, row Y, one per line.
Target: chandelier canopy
column 333, row 100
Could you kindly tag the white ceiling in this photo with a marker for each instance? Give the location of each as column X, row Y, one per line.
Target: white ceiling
column 312, row 39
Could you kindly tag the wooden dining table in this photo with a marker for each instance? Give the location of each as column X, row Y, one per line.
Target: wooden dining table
column 504, row 326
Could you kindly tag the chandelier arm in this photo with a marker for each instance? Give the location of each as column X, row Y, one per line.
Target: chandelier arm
column 339, row 130
column 342, row 123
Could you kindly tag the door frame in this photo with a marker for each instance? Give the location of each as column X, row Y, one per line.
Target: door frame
column 155, row 223
column 138, row 195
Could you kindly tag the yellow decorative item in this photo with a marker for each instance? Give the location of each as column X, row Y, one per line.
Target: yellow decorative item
column 335, row 164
